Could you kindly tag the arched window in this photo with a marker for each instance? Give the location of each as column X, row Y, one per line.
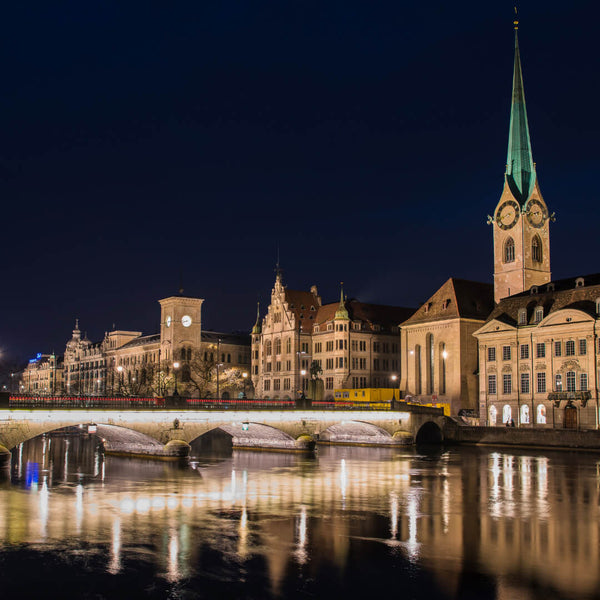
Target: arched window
column 536, row 249
column 541, row 414
column 493, row 415
column 506, row 414
column 509, row 250
column 417, row 369
column 525, row 414
column 268, row 348
column 430, row 363
column 442, row 362
column 288, row 345
column 278, row 346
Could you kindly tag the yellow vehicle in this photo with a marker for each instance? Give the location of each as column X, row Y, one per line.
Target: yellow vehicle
column 369, row 397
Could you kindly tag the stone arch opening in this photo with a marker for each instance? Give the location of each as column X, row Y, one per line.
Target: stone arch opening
column 429, row 433
column 245, row 435
column 355, row 432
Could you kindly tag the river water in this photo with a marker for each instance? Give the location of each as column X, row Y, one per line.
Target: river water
column 348, row 522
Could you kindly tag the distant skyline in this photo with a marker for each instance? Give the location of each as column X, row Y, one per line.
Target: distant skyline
column 145, row 144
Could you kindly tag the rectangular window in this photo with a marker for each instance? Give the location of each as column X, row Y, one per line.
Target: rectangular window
column 354, row 345
column 570, row 381
column 363, row 346
column 524, row 383
column 492, row 384
column 541, row 383
column 267, row 385
column 329, row 363
column 583, row 382
column 582, row 347
column 505, row 352
column 286, row 383
column 363, row 363
column 329, row 383
column 376, row 364
column 318, row 347
column 570, row 348
column 305, row 347
column 278, row 365
column 524, row 351
column 276, row 385
column 540, row 350
column 558, row 383
column 491, row 354
column 507, row 383
column 557, row 349
column 329, row 346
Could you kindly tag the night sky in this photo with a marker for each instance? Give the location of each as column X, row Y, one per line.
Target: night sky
column 147, row 142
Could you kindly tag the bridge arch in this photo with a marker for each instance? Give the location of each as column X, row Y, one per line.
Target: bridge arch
column 243, row 435
column 429, row 433
column 356, row 432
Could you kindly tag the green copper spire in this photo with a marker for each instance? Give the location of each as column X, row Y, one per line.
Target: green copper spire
column 341, row 312
column 257, row 329
column 520, row 170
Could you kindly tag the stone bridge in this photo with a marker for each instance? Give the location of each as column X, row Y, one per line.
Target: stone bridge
column 168, row 433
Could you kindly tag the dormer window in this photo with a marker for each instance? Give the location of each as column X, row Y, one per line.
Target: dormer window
column 445, row 304
column 534, row 290
column 579, row 282
column 523, row 316
column 427, row 306
column 312, row 308
column 550, row 287
column 539, row 313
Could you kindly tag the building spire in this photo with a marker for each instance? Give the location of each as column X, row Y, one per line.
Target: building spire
column 341, row 312
column 520, row 168
column 257, row 329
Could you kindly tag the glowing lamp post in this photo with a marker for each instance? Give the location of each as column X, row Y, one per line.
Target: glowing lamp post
column 244, row 377
column 120, row 370
column 175, row 368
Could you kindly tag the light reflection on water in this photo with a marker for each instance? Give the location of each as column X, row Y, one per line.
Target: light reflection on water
column 463, row 523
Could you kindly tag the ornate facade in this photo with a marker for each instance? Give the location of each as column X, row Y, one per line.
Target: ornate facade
column 539, row 348
column 347, row 344
column 182, row 358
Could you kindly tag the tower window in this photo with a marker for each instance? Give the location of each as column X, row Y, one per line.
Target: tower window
column 509, row 250
column 536, row 249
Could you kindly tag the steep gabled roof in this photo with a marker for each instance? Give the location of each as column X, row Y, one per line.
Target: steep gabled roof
column 457, row 298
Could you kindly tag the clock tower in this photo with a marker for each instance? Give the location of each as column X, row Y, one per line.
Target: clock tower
column 180, row 326
column 521, row 219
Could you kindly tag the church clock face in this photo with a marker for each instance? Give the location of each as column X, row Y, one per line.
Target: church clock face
column 507, row 214
column 168, row 322
column 186, row 320
column 536, row 213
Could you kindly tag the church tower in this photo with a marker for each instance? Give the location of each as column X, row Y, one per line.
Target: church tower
column 521, row 218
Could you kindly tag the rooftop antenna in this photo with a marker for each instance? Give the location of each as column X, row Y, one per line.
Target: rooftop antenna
column 181, row 282
column 278, row 268
column 516, row 21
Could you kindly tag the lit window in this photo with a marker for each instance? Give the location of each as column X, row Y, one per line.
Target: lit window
column 509, row 250
column 558, row 383
column 536, row 249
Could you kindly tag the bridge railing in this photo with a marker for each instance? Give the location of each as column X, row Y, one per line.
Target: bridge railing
column 179, row 403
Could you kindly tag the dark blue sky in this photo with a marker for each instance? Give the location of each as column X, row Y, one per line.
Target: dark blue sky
column 366, row 139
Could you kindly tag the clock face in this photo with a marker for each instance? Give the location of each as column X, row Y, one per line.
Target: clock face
column 536, row 213
column 186, row 320
column 168, row 321
column 507, row 214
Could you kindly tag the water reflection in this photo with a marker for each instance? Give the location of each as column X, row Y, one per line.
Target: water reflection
column 488, row 524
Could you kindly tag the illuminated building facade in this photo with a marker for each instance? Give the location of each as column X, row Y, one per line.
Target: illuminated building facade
column 538, row 350
column 182, row 356
column 352, row 344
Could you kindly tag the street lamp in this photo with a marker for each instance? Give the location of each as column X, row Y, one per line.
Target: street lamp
column 120, row 370
column 218, row 365
column 175, row 367
column 394, row 378
column 302, row 372
column 245, row 377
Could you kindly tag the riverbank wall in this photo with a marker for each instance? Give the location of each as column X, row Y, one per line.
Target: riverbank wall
column 512, row 436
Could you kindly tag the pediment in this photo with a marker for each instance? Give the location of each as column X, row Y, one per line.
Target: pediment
column 494, row 326
column 566, row 316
